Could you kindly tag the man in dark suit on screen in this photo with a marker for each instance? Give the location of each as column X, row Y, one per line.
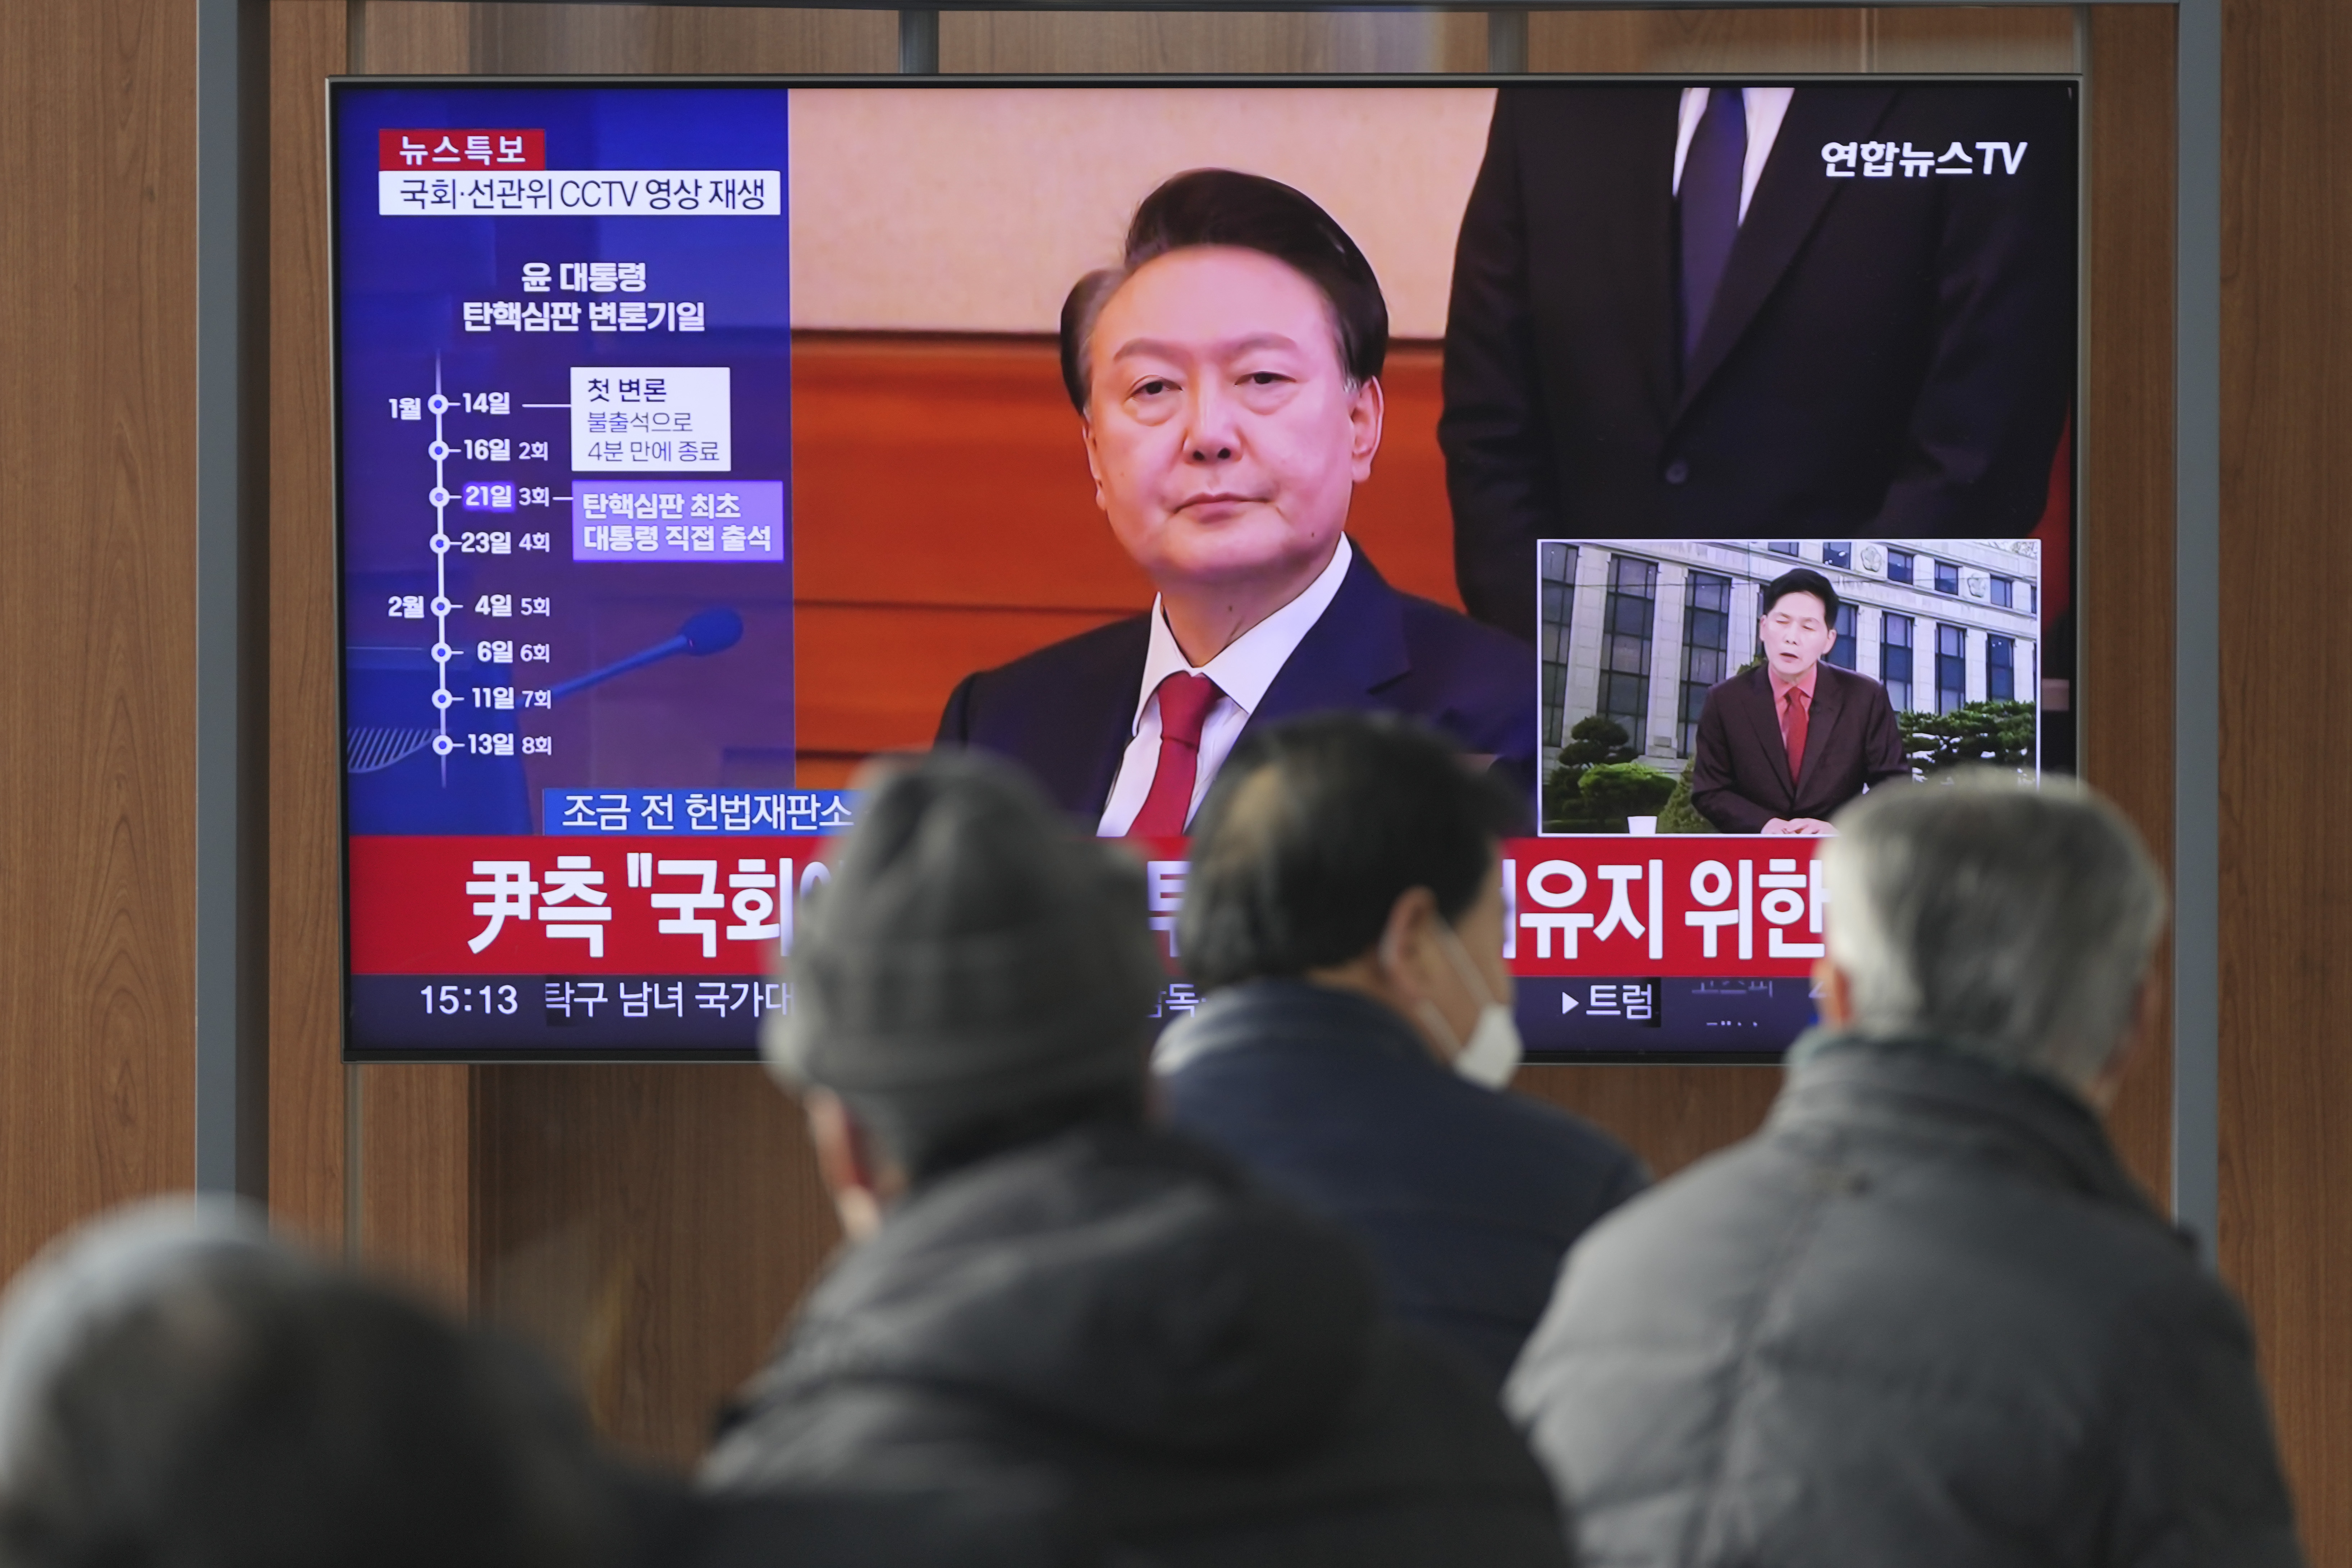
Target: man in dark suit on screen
column 1227, row 382
column 1756, row 313
column 1782, row 746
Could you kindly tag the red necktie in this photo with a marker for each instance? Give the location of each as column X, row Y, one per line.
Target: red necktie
column 1793, row 730
column 1184, row 703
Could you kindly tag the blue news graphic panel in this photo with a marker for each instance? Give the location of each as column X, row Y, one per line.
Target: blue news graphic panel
column 564, row 379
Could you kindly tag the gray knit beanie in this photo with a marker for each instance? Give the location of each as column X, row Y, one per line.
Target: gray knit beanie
column 972, row 956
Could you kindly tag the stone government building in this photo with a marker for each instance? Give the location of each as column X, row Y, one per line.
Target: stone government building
column 1639, row 629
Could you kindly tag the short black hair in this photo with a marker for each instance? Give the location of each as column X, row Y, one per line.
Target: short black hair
column 1802, row 580
column 1314, row 828
column 1248, row 212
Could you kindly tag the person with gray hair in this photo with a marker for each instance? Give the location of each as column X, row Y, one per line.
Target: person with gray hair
column 1047, row 1297
column 1924, row 1316
column 177, row 1390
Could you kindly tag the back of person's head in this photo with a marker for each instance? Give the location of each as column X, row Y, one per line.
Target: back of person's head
column 177, row 1390
column 2005, row 922
column 976, row 975
column 1246, row 212
column 1316, row 827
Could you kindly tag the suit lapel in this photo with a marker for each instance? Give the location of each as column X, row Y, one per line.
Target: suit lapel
column 1829, row 698
column 1791, row 196
column 1645, row 247
column 1354, row 648
column 1766, row 718
column 1080, row 773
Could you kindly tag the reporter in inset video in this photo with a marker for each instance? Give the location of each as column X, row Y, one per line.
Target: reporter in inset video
column 1783, row 745
column 1226, row 377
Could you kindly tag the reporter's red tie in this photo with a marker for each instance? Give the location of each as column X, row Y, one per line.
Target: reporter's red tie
column 1184, row 702
column 1793, row 730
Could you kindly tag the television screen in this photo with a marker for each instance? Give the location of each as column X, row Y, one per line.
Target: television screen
column 699, row 440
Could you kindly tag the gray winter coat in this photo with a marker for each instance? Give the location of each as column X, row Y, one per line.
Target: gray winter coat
column 1923, row 1318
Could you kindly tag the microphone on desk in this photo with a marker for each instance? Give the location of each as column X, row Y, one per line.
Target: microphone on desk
column 705, row 633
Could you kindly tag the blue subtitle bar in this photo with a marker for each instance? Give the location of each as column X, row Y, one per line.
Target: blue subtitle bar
column 686, row 812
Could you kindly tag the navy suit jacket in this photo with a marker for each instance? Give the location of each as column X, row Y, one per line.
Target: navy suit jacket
column 1068, row 711
column 1888, row 357
column 1468, row 1198
column 1739, row 769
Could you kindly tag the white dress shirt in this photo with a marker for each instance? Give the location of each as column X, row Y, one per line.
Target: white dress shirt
column 1766, row 107
column 1243, row 672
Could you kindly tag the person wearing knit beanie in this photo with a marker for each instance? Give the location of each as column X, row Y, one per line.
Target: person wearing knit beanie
column 976, row 972
column 1050, row 1304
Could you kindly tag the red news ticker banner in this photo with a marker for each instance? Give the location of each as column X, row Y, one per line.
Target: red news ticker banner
column 1678, row 905
column 410, row 150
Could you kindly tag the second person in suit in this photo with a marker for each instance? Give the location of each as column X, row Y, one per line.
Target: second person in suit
column 1757, row 313
column 1226, row 377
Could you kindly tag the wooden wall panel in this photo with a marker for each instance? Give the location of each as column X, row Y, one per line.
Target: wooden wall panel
column 1670, row 1115
column 306, row 44
column 1777, row 40
column 1054, row 41
column 664, row 38
column 651, row 1227
column 97, row 609
column 2126, row 717
column 1941, row 39
column 2286, row 836
column 1978, row 38
column 412, row 37
column 412, row 1149
column 394, row 37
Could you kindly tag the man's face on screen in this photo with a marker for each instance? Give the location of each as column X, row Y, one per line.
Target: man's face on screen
column 1796, row 632
column 1223, row 437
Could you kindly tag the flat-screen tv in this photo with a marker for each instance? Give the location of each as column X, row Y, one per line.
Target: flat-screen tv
column 698, row 440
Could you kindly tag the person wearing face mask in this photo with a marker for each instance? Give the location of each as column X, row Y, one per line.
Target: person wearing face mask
column 1051, row 1311
column 1226, row 378
column 1343, row 913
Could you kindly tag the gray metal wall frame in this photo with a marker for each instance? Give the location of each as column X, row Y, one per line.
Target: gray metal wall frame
column 232, row 617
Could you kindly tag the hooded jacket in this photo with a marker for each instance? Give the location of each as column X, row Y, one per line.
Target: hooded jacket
column 1925, row 1317
column 1115, row 1324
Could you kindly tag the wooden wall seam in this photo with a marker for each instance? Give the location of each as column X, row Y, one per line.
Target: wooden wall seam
column 2126, row 524
column 307, row 1100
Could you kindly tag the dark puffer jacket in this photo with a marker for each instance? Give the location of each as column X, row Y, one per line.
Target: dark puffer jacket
column 1116, row 1322
column 1923, row 1318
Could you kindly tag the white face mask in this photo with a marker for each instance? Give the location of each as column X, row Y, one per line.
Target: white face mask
column 1494, row 1050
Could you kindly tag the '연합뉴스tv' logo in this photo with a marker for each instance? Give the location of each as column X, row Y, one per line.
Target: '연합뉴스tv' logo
column 1883, row 159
